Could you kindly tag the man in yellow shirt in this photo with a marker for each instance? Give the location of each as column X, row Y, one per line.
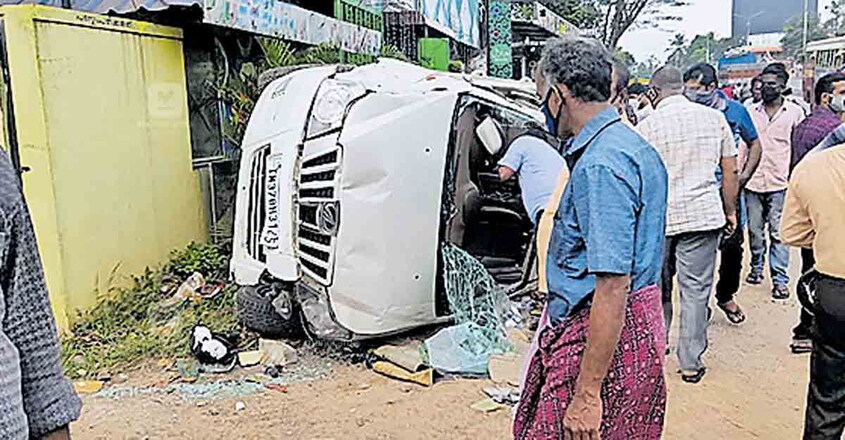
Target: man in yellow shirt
column 814, row 217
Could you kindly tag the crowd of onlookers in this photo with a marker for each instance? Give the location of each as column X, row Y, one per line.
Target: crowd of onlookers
column 662, row 178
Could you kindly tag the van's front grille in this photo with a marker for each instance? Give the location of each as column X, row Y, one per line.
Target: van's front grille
column 256, row 207
column 318, row 213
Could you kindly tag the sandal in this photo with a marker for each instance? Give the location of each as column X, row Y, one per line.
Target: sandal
column 736, row 317
column 754, row 279
column 801, row 346
column 695, row 378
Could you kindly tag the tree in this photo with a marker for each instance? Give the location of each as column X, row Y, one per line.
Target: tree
column 701, row 49
column 836, row 24
column 608, row 20
column 793, row 39
column 644, row 69
column 625, row 57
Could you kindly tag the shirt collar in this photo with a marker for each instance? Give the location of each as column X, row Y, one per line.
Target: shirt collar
column 824, row 111
column 761, row 108
column 593, row 127
column 672, row 100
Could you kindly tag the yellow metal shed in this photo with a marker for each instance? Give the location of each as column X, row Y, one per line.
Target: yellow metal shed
column 96, row 115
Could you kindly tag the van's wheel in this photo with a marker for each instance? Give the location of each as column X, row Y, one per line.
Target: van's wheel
column 256, row 311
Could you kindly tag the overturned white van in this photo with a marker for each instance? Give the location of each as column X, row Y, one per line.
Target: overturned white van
column 352, row 179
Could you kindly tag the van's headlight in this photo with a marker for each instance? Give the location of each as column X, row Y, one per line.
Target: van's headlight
column 333, row 98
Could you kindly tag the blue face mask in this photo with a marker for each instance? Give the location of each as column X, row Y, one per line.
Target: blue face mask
column 551, row 120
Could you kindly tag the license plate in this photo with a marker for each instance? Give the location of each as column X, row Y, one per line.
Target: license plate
column 270, row 235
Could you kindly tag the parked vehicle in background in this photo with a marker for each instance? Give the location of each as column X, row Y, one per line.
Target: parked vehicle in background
column 352, row 180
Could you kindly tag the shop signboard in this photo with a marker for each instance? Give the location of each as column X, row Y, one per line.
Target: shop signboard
column 284, row 20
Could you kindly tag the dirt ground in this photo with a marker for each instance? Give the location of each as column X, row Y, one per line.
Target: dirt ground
column 754, row 389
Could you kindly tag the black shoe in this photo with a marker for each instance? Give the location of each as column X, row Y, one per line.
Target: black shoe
column 780, row 293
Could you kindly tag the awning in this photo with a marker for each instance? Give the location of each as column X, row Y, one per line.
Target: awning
column 107, row 6
column 126, row 6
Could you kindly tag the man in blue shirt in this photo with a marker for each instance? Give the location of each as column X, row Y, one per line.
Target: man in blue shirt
column 702, row 86
column 599, row 366
column 537, row 165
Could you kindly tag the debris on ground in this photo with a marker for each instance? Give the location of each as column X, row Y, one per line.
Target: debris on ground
column 215, row 351
column 276, row 387
column 134, row 321
column 249, row 358
column 504, row 395
column 87, row 386
column 424, row 377
column 505, row 368
column 272, row 371
column 190, row 290
column 406, row 356
column 188, row 371
column 487, row 406
column 276, row 353
column 240, row 406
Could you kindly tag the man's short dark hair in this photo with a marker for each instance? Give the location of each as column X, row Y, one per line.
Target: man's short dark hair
column 583, row 65
column 825, row 85
column 637, row 89
column 777, row 69
column 703, row 73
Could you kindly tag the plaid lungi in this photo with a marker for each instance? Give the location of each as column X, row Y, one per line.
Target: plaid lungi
column 633, row 393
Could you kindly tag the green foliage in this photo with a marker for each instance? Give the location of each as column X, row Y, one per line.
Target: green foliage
column 277, row 53
column 793, row 39
column 625, row 58
column 203, row 258
column 390, row 51
column 609, row 20
column 322, row 54
column 139, row 322
column 702, row 49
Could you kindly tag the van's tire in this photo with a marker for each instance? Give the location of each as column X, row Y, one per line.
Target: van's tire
column 255, row 311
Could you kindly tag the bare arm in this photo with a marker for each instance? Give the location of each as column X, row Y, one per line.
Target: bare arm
column 755, row 153
column 506, row 173
column 607, row 316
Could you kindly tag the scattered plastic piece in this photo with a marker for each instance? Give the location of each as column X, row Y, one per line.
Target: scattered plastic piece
column 240, row 406
column 424, row 378
column 407, row 356
column 277, row 353
column 276, row 387
column 487, row 406
column 249, row 358
column 87, row 386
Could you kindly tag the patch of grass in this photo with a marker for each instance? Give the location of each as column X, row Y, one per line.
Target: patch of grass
column 136, row 323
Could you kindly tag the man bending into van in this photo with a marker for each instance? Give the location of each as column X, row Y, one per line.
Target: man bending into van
column 537, row 166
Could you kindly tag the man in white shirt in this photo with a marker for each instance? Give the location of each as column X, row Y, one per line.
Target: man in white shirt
column 693, row 141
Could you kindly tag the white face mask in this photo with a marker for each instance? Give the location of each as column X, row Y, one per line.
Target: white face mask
column 837, row 104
